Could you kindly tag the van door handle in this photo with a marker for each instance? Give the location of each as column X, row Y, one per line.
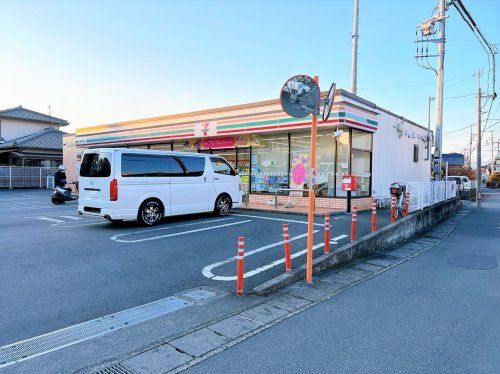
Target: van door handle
column 205, row 179
column 216, row 179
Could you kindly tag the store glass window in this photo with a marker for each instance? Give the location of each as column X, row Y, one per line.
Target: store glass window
column 179, row 147
column 361, row 140
column 361, row 168
column 325, row 162
column 269, row 164
column 243, row 167
column 361, row 161
column 342, row 160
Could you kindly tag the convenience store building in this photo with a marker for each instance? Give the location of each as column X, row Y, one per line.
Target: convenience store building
column 271, row 149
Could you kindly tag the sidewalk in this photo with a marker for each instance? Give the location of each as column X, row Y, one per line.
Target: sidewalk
column 435, row 313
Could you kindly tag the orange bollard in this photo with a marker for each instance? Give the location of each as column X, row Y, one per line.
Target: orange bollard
column 374, row 216
column 327, row 233
column 286, row 244
column 407, row 204
column 240, row 266
column 393, row 209
column 353, row 223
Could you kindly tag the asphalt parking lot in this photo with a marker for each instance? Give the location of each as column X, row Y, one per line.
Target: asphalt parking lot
column 59, row 269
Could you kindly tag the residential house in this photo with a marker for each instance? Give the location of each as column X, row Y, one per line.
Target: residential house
column 29, row 138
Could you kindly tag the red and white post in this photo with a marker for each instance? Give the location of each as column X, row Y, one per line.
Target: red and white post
column 240, row 266
column 393, row 208
column 327, row 233
column 288, row 251
column 374, row 216
column 407, row 204
column 353, row 223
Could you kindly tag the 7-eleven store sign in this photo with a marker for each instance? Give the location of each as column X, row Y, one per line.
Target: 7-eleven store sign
column 205, row 129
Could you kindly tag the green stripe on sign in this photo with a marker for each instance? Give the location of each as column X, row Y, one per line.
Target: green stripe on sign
column 372, row 122
column 258, row 123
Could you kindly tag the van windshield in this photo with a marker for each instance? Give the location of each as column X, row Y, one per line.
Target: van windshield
column 95, row 165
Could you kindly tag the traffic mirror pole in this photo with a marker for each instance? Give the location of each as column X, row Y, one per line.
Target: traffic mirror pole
column 312, row 179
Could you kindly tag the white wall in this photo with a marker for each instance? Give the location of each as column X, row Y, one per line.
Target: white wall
column 392, row 159
column 13, row 128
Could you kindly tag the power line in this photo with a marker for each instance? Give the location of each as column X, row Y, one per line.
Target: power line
column 466, row 16
column 418, row 85
column 464, row 13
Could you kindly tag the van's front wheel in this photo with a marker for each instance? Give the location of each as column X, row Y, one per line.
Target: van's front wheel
column 222, row 205
column 150, row 212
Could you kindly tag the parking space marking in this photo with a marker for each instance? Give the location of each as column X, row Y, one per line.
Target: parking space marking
column 115, row 237
column 169, row 227
column 337, row 238
column 207, row 270
column 71, row 224
column 251, row 273
column 50, row 219
column 72, row 218
column 276, row 219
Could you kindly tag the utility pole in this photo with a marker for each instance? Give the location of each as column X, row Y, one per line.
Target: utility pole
column 470, row 148
column 354, row 40
column 429, row 130
column 478, row 161
column 438, row 150
column 492, row 140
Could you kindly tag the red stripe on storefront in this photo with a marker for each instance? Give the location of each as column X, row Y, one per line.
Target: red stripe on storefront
column 238, row 131
column 301, row 124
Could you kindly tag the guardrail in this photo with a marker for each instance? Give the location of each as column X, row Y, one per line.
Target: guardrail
column 286, row 189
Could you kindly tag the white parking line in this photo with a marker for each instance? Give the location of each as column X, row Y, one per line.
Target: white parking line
column 207, row 270
column 71, row 224
column 115, row 237
column 170, row 227
column 50, row 219
column 72, row 218
column 276, row 219
column 337, row 238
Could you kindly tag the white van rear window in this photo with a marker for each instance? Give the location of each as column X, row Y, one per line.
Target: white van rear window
column 95, row 165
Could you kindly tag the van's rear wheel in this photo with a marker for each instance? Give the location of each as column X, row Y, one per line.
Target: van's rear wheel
column 150, row 212
column 222, row 205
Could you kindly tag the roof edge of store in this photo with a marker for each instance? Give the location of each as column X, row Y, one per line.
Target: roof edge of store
column 341, row 92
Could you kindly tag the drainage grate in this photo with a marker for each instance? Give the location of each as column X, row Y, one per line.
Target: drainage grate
column 55, row 340
column 115, row 369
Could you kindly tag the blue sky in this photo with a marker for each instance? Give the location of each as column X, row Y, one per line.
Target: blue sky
column 97, row 62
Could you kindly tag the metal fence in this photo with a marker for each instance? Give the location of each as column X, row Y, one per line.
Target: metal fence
column 25, row 176
column 424, row 194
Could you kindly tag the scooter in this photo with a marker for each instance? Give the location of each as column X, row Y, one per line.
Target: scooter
column 63, row 194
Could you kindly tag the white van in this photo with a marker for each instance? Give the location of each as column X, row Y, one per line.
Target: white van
column 146, row 185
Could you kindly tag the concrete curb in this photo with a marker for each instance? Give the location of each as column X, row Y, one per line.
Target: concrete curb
column 398, row 232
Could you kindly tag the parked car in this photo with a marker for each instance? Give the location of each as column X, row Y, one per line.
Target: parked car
column 463, row 182
column 146, row 185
